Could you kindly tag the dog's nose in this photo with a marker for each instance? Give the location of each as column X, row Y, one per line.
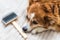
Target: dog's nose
column 24, row 29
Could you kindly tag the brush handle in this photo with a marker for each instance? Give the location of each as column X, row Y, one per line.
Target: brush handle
column 19, row 29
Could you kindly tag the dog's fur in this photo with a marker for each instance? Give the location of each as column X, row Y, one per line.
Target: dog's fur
column 46, row 14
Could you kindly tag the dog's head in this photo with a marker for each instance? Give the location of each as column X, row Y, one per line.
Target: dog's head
column 39, row 15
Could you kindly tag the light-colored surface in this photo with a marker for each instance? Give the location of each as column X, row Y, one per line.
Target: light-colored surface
column 9, row 32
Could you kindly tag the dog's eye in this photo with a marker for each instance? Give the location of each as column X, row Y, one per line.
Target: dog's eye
column 34, row 22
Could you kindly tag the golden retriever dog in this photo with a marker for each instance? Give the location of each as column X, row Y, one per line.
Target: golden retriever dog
column 43, row 15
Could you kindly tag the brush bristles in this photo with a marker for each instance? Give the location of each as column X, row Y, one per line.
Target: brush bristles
column 9, row 18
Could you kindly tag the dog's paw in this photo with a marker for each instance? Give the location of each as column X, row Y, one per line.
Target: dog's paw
column 38, row 30
column 34, row 31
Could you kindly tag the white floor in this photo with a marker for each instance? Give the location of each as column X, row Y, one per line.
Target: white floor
column 9, row 32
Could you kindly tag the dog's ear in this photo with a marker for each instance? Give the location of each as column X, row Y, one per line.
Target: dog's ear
column 32, row 1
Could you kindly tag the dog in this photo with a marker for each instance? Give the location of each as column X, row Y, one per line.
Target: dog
column 43, row 15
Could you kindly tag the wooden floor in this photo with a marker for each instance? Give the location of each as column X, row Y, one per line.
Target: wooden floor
column 9, row 32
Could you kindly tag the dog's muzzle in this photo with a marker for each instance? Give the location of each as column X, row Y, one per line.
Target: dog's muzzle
column 26, row 27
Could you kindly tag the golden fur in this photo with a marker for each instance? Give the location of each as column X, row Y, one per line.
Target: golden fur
column 47, row 13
